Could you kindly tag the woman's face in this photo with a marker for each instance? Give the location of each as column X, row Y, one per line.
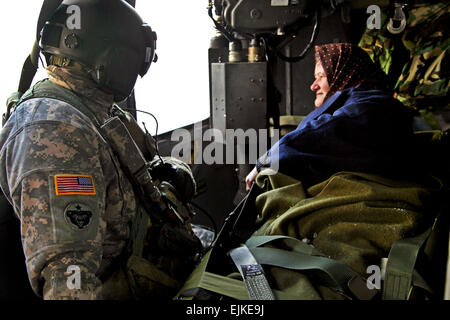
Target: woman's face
column 320, row 85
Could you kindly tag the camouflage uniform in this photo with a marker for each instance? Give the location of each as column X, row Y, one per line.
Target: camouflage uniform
column 45, row 139
column 424, row 80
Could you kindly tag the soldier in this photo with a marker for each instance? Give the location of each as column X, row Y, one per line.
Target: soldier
column 85, row 230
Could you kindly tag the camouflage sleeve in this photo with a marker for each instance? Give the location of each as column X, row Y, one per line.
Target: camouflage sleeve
column 56, row 183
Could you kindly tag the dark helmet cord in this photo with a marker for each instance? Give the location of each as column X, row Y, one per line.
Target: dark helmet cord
column 146, row 131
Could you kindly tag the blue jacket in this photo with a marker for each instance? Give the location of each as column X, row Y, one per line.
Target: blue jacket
column 354, row 130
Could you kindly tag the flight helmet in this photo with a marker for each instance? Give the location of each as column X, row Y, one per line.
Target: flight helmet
column 108, row 37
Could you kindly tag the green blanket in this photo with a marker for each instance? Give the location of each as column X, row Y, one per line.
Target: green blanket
column 351, row 217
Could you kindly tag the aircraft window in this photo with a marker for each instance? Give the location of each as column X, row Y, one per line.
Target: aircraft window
column 176, row 89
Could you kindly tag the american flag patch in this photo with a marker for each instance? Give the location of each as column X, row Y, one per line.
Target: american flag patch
column 74, row 184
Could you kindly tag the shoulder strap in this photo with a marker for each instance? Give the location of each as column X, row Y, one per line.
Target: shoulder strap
column 48, row 89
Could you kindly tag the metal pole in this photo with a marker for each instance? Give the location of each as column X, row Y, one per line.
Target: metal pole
column 288, row 83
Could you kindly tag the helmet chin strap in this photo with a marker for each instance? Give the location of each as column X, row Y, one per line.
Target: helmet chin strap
column 95, row 75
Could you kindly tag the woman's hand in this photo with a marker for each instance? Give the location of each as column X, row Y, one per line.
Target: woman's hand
column 251, row 178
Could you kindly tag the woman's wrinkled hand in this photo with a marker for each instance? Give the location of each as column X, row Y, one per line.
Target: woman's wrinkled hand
column 251, row 178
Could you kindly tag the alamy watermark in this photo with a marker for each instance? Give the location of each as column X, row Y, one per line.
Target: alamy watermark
column 73, row 22
column 374, row 280
column 74, row 277
column 374, row 20
column 232, row 146
column 396, row 24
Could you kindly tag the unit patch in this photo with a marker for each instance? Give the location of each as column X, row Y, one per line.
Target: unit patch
column 78, row 215
column 74, row 184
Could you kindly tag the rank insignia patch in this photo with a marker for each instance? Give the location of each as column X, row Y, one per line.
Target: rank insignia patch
column 78, row 215
column 74, row 184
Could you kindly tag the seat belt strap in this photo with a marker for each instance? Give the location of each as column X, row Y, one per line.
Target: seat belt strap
column 226, row 286
column 304, row 257
column 294, row 244
column 400, row 267
column 331, row 273
column 253, row 274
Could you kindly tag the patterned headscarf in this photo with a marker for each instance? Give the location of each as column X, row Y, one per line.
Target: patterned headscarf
column 346, row 65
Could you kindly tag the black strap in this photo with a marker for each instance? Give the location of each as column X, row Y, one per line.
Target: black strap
column 240, row 223
column 32, row 62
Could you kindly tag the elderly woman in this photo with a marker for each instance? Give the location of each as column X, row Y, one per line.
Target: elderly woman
column 357, row 124
column 349, row 184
